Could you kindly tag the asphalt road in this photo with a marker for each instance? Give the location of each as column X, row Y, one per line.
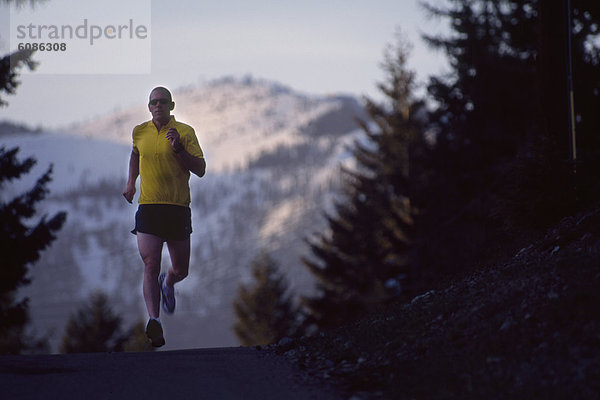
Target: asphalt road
column 225, row 373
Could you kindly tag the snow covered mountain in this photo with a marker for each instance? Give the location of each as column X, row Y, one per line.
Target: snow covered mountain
column 273, row 159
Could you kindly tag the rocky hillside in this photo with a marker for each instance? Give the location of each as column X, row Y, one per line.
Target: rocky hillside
column 525, row 328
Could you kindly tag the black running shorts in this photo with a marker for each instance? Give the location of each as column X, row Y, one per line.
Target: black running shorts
column 166, row 221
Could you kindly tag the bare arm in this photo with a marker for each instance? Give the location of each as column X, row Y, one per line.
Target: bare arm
column 191, row 163
column 134, row 172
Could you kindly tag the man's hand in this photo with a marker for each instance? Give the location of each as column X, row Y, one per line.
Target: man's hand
column 129, row 193
column 186, row 160
column 174, row 138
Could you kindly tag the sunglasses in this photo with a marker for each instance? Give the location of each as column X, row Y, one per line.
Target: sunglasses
column 161, row 101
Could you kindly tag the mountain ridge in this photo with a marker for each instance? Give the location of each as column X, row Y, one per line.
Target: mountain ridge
column 275, row 115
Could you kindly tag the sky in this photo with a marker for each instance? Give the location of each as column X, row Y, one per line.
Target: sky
column 313, row 46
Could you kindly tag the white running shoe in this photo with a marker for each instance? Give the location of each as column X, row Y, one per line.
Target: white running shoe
column 167, row 294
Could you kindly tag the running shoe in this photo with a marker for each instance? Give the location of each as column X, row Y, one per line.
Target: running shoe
column 167, row 294
column 154, row 332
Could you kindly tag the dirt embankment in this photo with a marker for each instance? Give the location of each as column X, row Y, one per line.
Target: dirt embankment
column 527, row 328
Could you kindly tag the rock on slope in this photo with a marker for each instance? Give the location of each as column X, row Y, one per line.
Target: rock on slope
column 527, row 328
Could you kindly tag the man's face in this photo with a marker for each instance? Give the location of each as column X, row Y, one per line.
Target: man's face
column 160, row 105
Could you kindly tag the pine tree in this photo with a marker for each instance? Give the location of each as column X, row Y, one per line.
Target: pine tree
column 264, row 311
column 501, row 118
column 364, row 259
column 94, row 328
column 9, row 65
column 487, row 106
column 485, row 116
column 20, row 246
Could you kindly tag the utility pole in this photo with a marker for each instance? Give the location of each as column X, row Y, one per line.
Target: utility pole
column 571, row 100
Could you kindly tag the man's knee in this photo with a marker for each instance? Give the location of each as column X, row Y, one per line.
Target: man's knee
column 150, row 248
column 180, row 273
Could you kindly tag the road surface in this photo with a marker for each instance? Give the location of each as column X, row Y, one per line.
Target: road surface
column 225, row 373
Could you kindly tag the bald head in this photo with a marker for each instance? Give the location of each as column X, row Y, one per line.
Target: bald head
column 163, row 90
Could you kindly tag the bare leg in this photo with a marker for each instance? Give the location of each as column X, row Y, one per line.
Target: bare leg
column 179, row 250
column 150, row 248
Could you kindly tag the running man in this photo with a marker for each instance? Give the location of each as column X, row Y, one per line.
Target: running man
column 164, row 152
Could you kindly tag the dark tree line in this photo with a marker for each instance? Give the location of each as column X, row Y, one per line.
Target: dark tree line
column 21, row 242
column 500, row 168
column 439, row 190
column 95, row 328
column 20, row 245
